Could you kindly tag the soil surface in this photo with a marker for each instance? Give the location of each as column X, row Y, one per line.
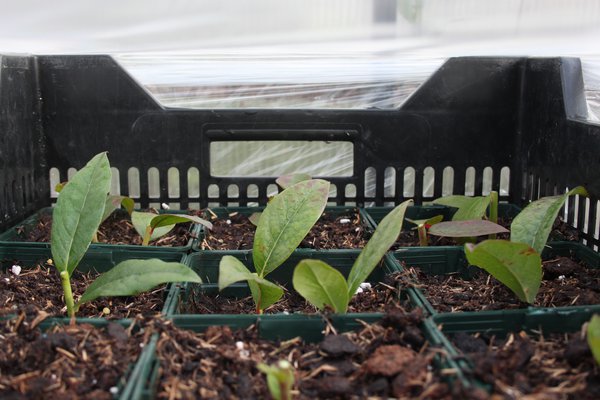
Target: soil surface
column 65, row 362
column 565, row 283
column 41, row 288
column 552, row 367
column 390, row 359
column 236, row 232
column 378, row 298
column 117, row 229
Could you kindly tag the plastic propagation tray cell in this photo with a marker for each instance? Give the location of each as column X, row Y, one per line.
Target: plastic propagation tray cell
column 224, row 212
column 12, row 236
column 451, row 260
column 99, row 260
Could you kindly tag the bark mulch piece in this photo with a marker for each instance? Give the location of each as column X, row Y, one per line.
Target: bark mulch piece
column 377, row 298
column 41, row 287
column 236, row 232
column 549, row 367
column 387, row 359
column 117, row 229
column 565, row 283
column 65, row 362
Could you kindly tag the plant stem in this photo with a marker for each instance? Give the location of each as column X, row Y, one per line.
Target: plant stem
column 493, row 210
column 147, row 235
column 422, row 229
column 95, row 237
column 66, row 285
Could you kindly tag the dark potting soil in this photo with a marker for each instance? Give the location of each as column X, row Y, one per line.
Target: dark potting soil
column 236, row 232
column 117, row 229
column 379, row 298
column 41, row 287
column 388, row 359
column 565, row 283
column 550, row 367
column 65, row 362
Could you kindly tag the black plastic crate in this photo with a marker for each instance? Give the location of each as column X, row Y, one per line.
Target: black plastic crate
column 524, row 116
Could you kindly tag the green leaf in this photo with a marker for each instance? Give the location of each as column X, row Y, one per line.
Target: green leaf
column 468, row 207
column 232, row 270
column 472, row 228
column 285, row 181
column 321, row 285
column 141, row 220
column 172, row 219
column 593, row 337
column 132, row 277
column 254, row 218
column 534, row 223
column 114, row 202
column 516, row 265
column 383, row 238
column 60, row 186
column 78, row 212
column 285, row 222
column 279, row 376
column 264, row 293
column 431, row 221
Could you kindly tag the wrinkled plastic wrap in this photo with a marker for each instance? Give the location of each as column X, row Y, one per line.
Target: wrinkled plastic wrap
column 351, row 54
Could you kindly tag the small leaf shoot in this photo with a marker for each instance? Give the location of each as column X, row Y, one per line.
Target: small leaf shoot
column 593, row 337
column 280, row 379
column 422, row 225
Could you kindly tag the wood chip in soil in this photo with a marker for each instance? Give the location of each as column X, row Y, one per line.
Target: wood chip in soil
column 117, row 230
column 549, row 367
column 236, row 232
column 565, row 283
column 41, row 287
column 65, row 362
column 221, row 363
column 378, row 298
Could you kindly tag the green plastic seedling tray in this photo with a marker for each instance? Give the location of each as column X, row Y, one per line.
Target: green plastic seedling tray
column 206, row 264
column 12, row 237
column 276, row 327
column 99, row 259
column 132, row 376
column 223, row 212
column 445, row 260
column 501, row 323
column 376, row 214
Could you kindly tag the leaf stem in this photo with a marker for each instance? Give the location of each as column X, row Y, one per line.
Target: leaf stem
column 95, row 237
column 66, row 285
column 147, row 235
column 422, row 229
column 493, row 210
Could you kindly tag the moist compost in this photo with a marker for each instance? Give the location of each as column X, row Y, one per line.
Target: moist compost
column 388, row 359
column 65, row 362
column 41, row 288
column 565, row 282
column 379, row 298
column 236, row 232
column 117, row 229
column 549, row 367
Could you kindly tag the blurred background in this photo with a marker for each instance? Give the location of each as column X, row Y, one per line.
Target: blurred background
column 302, row 53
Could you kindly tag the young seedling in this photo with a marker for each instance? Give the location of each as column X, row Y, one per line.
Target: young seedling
column 593, row 337
column 286, row 220
column 325, row 287
column 76, row 217
column 423, row 225
column 152, row 226
column 518, row 263
column 280, row 379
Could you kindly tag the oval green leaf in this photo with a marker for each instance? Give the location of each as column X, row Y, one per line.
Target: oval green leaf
column 286, row 220
column 534, row 223
column 285, row 181
column 172, row 219
column 141, row 220
column 321, row 285
column 468, row 207
column 78, row 213
column 114, row 202
column 264, row 293
column 472, row 228
column 383, row 238
column 232, row 270
column 516, row 265
column 131, row 277
column 593, row 337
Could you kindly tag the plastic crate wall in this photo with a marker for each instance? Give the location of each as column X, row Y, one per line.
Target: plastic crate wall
column 521, row 114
